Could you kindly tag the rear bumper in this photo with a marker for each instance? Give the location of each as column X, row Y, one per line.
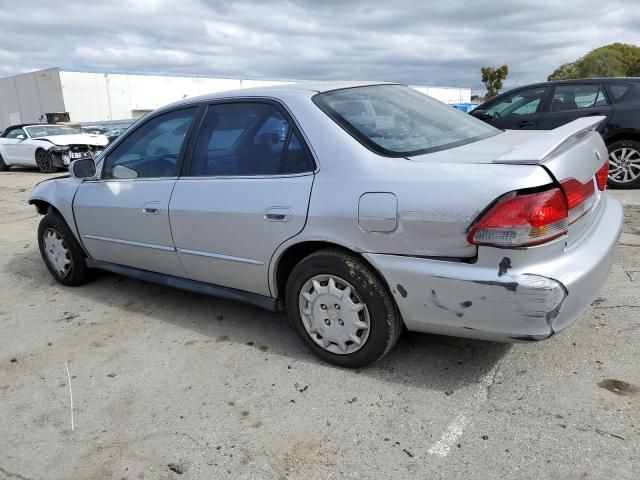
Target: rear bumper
column 507, row 295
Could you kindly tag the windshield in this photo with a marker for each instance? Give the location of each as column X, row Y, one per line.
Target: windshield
column 397, row 121
column 47, row 130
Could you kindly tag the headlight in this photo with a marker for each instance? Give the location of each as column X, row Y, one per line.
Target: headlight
column 60, row 148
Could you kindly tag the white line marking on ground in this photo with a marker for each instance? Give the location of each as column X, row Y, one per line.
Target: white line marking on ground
column 454, row 430
column 70, row 393
column 449, row 437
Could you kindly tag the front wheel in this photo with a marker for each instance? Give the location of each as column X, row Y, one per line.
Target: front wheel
column 341, row 309
column 61, row 252
column 624, row 164
column 44, row 161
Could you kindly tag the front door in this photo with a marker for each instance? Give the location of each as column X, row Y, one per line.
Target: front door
column 247, row 192
column 19, row 151
column 123, row 217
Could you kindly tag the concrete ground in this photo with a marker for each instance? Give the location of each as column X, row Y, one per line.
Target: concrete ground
column 168, row 384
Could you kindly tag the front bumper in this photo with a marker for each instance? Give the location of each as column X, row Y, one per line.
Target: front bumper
column 507, row 295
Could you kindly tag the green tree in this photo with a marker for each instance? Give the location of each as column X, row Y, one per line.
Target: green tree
column 493, row 78
column 615, row 60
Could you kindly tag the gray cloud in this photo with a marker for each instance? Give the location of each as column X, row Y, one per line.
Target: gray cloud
column 418, row 42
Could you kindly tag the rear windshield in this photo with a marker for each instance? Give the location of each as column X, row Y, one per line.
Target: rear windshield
column 397, row 121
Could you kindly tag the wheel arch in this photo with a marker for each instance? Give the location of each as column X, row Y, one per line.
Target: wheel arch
column 633, row 135
column 57, row 195
column 294, row 253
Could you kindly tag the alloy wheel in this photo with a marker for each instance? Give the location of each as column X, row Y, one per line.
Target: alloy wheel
column 624, row 165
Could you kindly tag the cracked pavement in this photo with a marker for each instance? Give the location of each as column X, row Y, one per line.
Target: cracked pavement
column 168, row 384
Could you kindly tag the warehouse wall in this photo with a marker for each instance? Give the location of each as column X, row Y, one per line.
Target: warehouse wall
column 104, row 96
column 447, row 94
column 26, row 98
column 95, row 97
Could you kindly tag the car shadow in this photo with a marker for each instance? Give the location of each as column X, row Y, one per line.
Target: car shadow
column 429, row 361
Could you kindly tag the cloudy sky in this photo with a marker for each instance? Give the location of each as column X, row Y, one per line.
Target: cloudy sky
column 421, row 42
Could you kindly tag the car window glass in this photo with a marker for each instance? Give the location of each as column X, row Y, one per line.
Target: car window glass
column 296, row 159
column 524, row 102
column 617, row 91
column 572, row 97
column 395, row 120
column 152, row 150
column 240, row 139
column 14, row 133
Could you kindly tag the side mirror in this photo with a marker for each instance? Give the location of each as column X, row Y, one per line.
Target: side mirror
column 481, row 114
column 83, row 168
column 20, row 137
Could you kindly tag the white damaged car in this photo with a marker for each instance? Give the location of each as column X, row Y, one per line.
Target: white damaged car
column 47, row 147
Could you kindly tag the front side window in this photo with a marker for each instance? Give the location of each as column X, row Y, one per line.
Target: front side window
column 243, row 139
column 152, row 150
column 397, row 121
column 573, row 97
column 524, row 102
column 16, row 132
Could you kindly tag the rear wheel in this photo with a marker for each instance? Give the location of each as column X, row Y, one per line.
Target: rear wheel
column 624, row 164
column 61, row 252
column 44, row 161
column 341, row 309
column 3, row 166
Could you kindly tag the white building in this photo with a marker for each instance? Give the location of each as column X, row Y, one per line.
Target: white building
column 102, row 97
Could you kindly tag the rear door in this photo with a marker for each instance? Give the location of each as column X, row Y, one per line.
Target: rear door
column 246, row 191
column 575, row 100
column 517, row 111
column 123, row 217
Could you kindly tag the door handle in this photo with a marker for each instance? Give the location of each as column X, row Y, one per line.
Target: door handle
column 524, row 124
column 277, row 214
column 151, row 208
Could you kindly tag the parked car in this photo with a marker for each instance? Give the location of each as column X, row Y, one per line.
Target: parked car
column 47, row 147
column 544, row 106
column 358, row 208
column 114, row 133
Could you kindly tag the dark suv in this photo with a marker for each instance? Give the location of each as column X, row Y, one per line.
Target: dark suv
column 544, row 106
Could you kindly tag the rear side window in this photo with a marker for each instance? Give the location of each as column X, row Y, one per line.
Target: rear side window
column 244, row 139
column 574, row 97
column 618, row 91
column 397, row 121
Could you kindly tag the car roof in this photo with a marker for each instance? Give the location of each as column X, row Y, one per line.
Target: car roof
column 578, row 80
column 276, row 90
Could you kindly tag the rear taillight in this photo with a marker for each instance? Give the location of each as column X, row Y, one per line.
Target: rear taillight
column 601, row 176
column 518, row 220
column 580, row 197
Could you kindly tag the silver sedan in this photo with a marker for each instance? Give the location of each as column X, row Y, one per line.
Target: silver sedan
column 359, row 208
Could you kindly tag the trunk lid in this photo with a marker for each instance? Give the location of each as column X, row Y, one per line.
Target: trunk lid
column 570, row 154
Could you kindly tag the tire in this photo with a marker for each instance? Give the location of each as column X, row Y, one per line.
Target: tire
column 44, row 161
column 3, row 166
column 624, row 164
column 328, row 298
column 61, row 252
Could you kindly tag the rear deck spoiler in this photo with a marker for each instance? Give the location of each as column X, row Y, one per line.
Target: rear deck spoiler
column 538, row 149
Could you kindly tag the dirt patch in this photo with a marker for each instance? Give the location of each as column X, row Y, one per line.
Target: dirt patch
column 619, row 387
column 300, row 453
